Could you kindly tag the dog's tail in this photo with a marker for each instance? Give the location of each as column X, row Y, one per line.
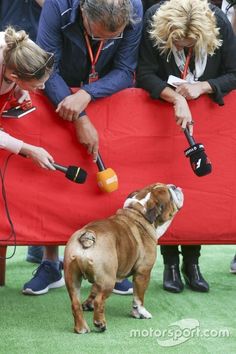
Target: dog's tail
column 87, row 238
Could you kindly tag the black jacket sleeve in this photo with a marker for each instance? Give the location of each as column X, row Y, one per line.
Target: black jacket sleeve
column 149, row 60
column 226, row 81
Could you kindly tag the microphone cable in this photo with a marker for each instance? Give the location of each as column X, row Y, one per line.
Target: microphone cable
column 12, row 233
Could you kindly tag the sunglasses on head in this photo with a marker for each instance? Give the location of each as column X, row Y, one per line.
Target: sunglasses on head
column 40, row 72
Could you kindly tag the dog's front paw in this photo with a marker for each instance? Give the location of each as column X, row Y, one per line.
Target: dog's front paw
column 140, row 312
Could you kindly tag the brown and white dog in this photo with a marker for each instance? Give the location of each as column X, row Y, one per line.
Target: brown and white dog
column 110, row 250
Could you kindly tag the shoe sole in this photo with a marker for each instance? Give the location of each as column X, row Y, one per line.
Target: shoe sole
column 174, row 291
column 55, row 285
column 197, row 289
column 233, row 271
column 188, row 285
column 120, row 292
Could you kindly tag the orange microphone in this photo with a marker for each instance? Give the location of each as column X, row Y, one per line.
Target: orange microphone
column 106, row 177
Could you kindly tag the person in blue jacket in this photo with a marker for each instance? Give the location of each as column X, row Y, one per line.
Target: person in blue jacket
column 81, row 33
column 95, row 44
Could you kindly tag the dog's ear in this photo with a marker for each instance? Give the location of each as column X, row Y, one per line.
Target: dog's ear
column 156, row 203
column 153, row 213
column 131, row 195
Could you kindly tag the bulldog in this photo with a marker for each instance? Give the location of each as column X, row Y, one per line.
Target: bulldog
column 109, row 250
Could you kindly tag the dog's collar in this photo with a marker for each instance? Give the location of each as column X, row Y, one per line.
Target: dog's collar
column 135, row 215
column 142, row 202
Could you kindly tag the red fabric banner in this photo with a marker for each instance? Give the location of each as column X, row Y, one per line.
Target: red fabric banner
column 139, row 139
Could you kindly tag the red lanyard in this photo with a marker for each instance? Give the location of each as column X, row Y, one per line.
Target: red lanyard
column 184, row 72
column 93, row 75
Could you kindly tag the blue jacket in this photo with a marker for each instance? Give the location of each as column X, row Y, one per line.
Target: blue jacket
column 21, row 14
column 60, row 31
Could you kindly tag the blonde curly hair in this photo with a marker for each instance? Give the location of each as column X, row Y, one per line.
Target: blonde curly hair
column 185, row 19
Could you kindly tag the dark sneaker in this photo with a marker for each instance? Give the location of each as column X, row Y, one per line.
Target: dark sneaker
column 233, row 265
column 123, row 288
column 47, row 277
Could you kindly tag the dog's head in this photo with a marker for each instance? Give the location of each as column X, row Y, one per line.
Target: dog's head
column 158, row 203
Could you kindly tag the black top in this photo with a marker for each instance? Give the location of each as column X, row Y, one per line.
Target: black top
column 149, row 3
column 220, row 72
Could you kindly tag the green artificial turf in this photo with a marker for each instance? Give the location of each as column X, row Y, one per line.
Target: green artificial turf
column 189, row 322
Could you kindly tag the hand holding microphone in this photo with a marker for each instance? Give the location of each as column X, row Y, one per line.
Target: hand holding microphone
column 200, row 164
column 106, row 177
column 37, row 154
column 73, row 173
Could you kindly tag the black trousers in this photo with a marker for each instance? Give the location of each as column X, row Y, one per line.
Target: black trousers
column 171, row 254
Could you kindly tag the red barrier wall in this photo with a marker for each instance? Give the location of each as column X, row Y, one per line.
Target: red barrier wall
column 141, row 142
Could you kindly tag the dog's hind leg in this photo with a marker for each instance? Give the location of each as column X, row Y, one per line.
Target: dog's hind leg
column 99, row 307
column 88, row 305
column 141, row 281
column 73, row 279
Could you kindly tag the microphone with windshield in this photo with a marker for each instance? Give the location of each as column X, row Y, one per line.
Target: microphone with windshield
column 73, row 173
column 106, row 177
column 199, row 161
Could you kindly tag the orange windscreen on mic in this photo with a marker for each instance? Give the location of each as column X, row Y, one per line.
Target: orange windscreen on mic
column 107, row 180
column 106, row 177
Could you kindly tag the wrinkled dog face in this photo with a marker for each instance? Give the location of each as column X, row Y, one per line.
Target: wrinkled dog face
column 158, row 203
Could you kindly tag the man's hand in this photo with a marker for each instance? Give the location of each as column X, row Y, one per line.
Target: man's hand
column 71, row 106
column 87, row 135
column 40, row 2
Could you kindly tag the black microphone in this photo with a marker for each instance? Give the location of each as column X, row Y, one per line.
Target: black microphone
column 73, row 173
column 100, row 163
column 199, row 161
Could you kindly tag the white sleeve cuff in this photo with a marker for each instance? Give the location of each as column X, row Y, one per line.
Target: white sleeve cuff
column 7, row 142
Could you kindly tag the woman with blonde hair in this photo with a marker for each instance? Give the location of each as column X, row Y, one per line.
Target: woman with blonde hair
column 24, row 67
column 188, row 49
